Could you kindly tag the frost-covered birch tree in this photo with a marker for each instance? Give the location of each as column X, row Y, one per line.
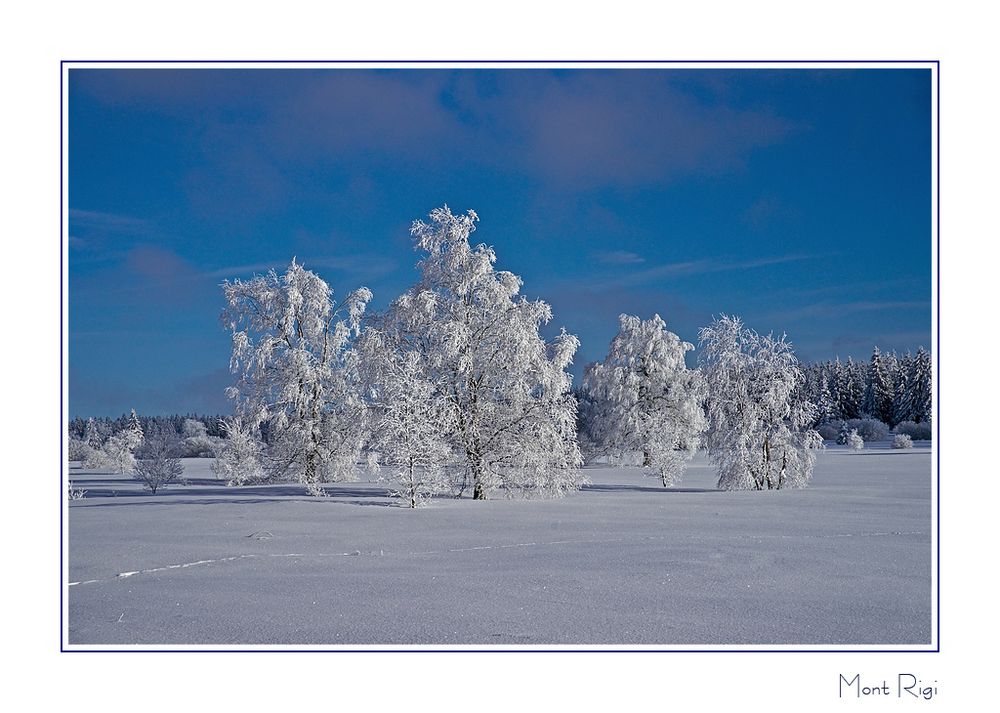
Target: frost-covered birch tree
column 645, row 400
column 296, row 372
column 757, row 434
column 510, row 416
column 408, row 419
column 159, row 463
column 239, row 459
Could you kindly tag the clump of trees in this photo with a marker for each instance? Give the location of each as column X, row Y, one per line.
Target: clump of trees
column 471, row 341
column 758, row 429
column 453, row 389
column 115, row 451
column 643, row 400
column 296, row 374
column 88, row 443
column 890, row 389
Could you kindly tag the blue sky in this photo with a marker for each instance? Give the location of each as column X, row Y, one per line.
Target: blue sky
column 798, row 199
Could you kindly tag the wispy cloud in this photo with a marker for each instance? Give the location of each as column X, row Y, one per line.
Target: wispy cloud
column 93, row 220
column 366, row 266
column 693, row 268
column 835, row 309
column 618, row 257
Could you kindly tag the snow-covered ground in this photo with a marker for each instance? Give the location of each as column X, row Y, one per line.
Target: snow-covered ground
column 846, row 561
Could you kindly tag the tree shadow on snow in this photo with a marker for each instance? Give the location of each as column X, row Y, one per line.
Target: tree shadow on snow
column 193, row 494
column 616, row 488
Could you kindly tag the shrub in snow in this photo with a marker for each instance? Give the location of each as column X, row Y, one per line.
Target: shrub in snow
column 855, row 441
column 901, row 440
column 193, row 428
column 77, row 450
column 197, row 442
column 829, row 431
column 644, row 398
column 296, row 372
column 99, row 459
column 119, row 449
column 871, row 429
column 158, row 464
column 75, row 493
column 757, row 434
column 510, row 419
column 200, row 446
column 916, row 431
column 239, row 457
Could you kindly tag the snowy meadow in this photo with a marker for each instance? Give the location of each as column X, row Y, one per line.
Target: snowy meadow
column 621, row 562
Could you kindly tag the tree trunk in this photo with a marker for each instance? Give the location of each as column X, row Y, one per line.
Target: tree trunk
column 647, row 460
column 478, row 471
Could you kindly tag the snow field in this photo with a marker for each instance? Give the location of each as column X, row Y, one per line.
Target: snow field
column 846, row 561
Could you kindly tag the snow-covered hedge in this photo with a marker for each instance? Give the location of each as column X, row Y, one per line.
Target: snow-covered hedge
column 916, row 431
column 870, row 429
column 829, row 431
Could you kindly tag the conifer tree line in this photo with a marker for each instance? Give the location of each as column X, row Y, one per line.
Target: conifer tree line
column 104, row 426
column 453, row 390
column 890, row 388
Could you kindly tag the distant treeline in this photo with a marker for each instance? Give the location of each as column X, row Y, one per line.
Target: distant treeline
column 890, row 388
column 105, row 426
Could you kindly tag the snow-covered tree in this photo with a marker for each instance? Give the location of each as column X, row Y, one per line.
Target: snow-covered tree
column 192, row 428
column 134, row 427
column 91, row 435
column 119, row 448
column 919, row 387
column 158, row 464
column 878, row 389
column 408, row 420
column 900, row 391
column 823, row 399
column 855, row 441
column 757, row 433
column 850, row 380
column 510, row 415
column 239, row 459
column 645, row 399
column 296, row 373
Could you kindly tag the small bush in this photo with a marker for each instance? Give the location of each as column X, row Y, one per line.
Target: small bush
column 77, row 449
column 75, row 493
column 239, row 459
column 829, row 431
column 855, row 441
column 871, row 429
column 96, row 459
column 201, row 446
column 901, row 440
column 916, row 431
